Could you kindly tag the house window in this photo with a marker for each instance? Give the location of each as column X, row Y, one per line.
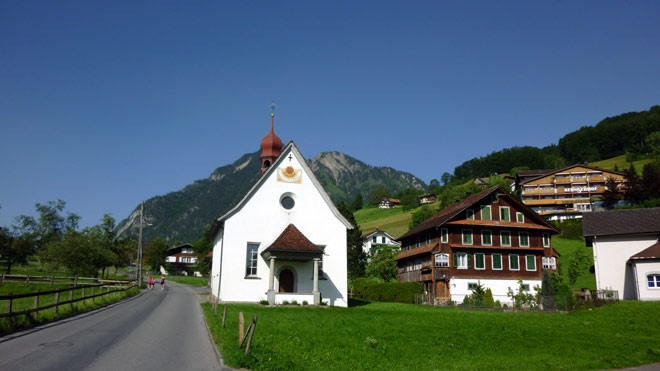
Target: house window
column 485, row 212
column 472, row 285
column 513, row 262
column 549, row 262
column 382, row 239
column 524, row 239
column 496, row 261
column 418, row 264
column 461, row 260
column 467, row 237
column 546, row 239
column 505, row 238
column 417, row 244
column 428, row 238
column 525, row 287
column 409, row 266
column 505, row 214
column 530, row 262
column 444, row 235
column 442, row 260
column 469, row 214
column 479, row 261
column 374, row 239
column 653, row 281
column 251, row 262
column 486, row 238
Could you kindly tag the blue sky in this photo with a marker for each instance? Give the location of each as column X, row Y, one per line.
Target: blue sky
column 104, row 104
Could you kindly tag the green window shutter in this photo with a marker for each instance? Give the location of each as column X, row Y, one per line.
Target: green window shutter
column 455, row 260
column 469, row 259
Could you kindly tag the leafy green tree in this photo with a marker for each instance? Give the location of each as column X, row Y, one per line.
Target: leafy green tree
column 357, row 203
column 409, row 199
column 356, row 259
column 126, row 251
column 578, row 264
column 375, row 195
column 156, row 254
column 457, row 193
column 383, row 265
column 420, row 215
column 651, row 181
column 634, row 188
column 79, row 252
column 611, row 194
column 16, row 245
column 445, row 178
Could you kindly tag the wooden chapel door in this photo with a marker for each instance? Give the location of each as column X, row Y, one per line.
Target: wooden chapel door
column 286, row 281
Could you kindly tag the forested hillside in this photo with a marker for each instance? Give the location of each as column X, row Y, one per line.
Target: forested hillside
column 611, row 137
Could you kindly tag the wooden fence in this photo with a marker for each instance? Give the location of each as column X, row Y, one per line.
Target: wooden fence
column 105, row 287
column 50, row 279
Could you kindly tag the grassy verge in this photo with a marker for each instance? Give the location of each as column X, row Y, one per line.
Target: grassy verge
column 393, row 221
column 187, row 280
column 566, row 248
column 396, row 336
column 16, row 323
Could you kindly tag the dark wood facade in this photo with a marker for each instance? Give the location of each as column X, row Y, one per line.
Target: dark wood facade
column 476, row 231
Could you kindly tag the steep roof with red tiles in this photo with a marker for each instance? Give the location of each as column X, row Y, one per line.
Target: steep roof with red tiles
column 652, row 252
column 291, row 239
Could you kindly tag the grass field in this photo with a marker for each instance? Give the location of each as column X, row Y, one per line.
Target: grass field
column 393, row 221
column 9, row 324
column 186, row 280
column 33, row 268
column 621, row 163
column 566, row 248
column 391, row 336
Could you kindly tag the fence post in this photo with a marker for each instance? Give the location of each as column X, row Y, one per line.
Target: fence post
column 224, row 315
column 2, row 279
column 9, row 303
column 71, row 299
column 240, row 328
column 93, row 298
column 253, row 325
column 28, row 279
column 57, row 301
column 83, row 296
column 36, row 304
column 52, row 280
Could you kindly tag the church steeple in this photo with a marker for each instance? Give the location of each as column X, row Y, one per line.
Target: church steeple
column 271, row 145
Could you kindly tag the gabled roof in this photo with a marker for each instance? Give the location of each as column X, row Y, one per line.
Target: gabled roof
column 621, row 222
column 446, row 214
column 570, row 167
column 652, row 252
column 291, row 239
column 392, row 200
column 367, row 235
column 290, row 148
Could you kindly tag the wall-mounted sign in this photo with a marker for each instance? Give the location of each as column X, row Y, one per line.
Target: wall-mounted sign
column 581, row 189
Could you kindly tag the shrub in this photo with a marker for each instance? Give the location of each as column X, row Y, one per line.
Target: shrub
column 497, row 304
column 305, row 302
column 571, row 229
column 264, row 302
column 286, row 302
column 400, row 292
column 294, row 302
column 488, row 298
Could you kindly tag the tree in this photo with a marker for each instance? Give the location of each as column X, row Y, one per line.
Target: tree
column 577, row 265
column 651, row 181
column 377, row 194
column 445, row 178
column 408, row 198
column 383, row 265
column 434, row 183
column 16, row 245
column 356, row 259
column 357, row 203
column 155, row 254
column 634, row 189
column 421, row 215
column 79, row 252
column 611, row 194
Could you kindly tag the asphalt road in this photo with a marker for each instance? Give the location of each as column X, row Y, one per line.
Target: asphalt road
column 157, row 330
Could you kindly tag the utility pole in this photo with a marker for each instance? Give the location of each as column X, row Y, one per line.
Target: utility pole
column 139, row 257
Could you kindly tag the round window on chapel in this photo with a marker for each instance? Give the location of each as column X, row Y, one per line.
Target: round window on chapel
column 287, row 202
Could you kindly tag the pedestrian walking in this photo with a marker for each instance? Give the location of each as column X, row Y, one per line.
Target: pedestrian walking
column 151, row 283
column 162, row 282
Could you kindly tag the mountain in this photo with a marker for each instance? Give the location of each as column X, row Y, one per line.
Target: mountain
column 182, row 216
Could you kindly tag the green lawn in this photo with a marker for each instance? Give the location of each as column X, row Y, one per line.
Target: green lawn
column 371, row 213
column 566, row 248
column 186, row 280
column 391, row 336
column 621, row 163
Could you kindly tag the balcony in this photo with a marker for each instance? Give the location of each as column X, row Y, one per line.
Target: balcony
column 538, row 191
column 562, row 180
column 414, row 276
column 597, row 178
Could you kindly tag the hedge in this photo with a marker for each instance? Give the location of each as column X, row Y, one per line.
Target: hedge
column 398, row 292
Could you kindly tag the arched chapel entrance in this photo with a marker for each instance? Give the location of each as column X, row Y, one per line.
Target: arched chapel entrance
column 286, row 280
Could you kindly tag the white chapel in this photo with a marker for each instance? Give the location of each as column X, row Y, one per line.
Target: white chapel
column 285, row 240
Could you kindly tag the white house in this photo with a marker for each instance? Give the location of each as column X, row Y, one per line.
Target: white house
column 285, row 240
column 626, row 250
column 388, row 203
column 376, row 239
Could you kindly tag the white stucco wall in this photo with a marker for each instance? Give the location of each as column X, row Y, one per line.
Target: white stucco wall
column 261, row 220
column 644, row 268
column 611, row 254
column 367, row 243
column 458, row 287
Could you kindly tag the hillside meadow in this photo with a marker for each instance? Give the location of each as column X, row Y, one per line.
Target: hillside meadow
column 394, row 336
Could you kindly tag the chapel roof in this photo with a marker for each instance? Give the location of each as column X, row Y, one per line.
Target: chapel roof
column 291, row 239
column 271, row 145
column 652, row 252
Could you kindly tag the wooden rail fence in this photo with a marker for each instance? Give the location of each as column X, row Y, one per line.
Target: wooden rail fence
column 105, row 287
column 50, row 279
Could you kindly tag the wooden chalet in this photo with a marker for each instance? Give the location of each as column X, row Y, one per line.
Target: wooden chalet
column 489, row 238
column 388, row 203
